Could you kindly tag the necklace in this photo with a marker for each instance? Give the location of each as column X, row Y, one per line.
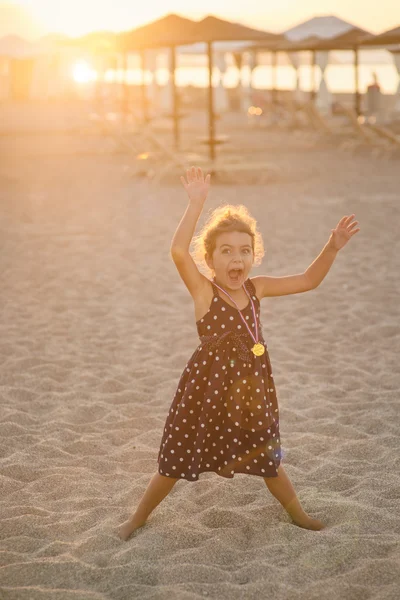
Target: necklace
column 258, row 349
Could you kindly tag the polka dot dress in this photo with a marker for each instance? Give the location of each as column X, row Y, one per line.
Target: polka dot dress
column 224, row 416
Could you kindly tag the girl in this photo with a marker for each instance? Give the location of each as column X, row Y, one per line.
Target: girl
column 224, row 416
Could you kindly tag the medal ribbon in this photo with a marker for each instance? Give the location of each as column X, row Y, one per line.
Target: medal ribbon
column 243, row 319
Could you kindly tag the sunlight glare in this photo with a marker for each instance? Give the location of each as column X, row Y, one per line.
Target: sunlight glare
column 82, row 72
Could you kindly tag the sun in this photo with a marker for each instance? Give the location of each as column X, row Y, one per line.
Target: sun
column 82, row 72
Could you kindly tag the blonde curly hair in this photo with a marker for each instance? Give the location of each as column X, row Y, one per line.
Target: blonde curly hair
column 224, row 219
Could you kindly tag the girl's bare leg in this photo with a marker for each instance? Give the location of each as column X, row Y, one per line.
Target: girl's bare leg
column 158, row 488
column 281, row 487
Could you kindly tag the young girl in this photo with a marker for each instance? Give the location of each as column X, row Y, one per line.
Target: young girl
column 224, row 416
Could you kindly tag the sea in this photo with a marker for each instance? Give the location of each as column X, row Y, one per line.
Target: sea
column 339, row 74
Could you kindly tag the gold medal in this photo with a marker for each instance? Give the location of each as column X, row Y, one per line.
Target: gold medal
column 258, row 349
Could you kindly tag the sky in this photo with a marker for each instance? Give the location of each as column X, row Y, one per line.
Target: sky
column 33, row 18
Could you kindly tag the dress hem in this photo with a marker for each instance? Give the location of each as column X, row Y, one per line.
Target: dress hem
column 220, row 474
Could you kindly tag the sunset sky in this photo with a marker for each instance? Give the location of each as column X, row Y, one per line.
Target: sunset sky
column 32, row 18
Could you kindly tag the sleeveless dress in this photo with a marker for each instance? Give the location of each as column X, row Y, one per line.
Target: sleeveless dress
column 224, row 416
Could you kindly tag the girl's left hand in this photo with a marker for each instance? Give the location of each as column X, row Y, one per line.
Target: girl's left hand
column 343, row 232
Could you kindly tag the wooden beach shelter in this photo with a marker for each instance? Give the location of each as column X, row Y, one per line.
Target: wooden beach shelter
column 168, row 32
column 16, row 67
column 211, row 30
column 25, row 67
column 325, row 27
column 387, row 38
column 172, row 31
column 350, row 40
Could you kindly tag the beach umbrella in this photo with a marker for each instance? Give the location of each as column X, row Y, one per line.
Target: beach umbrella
column 211, row 30
column 319, row 47
column 14, row 46
column 172, row 31
column 168, row 32
column 387, row 38
column 391, row 40
column 27, row 63
column 396, row 58
column 316, row 28
column 350, row 40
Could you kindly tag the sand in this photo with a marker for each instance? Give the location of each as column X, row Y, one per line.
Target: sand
column 96, row 328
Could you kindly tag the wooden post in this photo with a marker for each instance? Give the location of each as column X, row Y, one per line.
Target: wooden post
column 125, row 88
column 357, row 106
column 175, row 114
column 273, row 67
column 99, row 82
column 211, row 122
column 144, row 88
column 313, row 84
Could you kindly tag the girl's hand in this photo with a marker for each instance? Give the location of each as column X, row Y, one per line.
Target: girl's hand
column 196, row 186
column 343, row 232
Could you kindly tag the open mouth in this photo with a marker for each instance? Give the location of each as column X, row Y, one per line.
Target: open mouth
column 235, row 275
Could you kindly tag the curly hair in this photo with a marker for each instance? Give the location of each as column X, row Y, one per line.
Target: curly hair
column 224, row 219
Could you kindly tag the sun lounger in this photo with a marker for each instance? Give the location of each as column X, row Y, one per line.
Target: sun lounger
column 385, row 133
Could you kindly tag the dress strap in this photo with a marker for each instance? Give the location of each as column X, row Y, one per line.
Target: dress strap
column 214, row 287
column 251, row 288
column 248, row 283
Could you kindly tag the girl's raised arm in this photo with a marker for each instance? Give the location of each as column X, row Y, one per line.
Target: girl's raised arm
column 197, row 189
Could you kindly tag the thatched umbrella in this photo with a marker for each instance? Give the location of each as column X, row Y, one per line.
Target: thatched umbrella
column 168, row 32
column 387, row 38
column 172, row 31
column 211, row 29
column 350, row 40
column 391, row 41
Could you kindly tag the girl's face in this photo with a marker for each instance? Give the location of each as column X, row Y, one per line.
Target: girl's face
column 232, row 259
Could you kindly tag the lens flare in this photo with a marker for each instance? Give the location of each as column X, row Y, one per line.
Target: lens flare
column 82, row 72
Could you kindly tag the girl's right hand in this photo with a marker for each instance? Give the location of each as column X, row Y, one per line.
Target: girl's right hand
column 196, row 186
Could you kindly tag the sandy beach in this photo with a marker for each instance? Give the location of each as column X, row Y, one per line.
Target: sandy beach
column 96, row 328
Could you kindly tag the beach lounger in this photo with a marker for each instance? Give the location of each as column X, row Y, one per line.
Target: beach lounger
column 385, row 133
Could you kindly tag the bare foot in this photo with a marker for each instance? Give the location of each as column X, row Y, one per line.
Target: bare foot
column 127, row 528
column 309, row 523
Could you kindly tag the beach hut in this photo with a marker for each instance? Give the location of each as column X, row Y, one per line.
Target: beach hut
column 16, row 67
column 27, row 67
